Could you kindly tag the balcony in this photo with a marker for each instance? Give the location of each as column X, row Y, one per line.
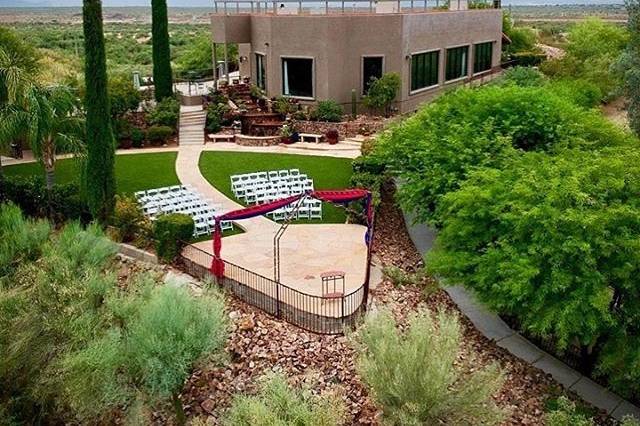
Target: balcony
column 350, row 7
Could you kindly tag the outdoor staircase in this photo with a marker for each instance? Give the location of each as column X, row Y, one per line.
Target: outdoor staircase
column 192, row 122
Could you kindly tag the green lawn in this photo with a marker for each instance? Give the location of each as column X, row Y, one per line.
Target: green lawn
column 326, row 172
column 134, row 172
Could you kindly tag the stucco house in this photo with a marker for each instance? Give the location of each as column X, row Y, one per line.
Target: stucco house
column 323, row 50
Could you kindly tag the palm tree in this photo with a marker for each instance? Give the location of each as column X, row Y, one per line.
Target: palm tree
column 15, row 80
column 49, row 118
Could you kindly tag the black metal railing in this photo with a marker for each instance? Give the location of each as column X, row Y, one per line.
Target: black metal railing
column 311, row 312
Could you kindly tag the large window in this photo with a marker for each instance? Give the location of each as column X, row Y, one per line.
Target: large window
column 457, row 58
column 261, row 77
column 297, row 77
column 424, row 69
column 371, row 70
column 482, row 57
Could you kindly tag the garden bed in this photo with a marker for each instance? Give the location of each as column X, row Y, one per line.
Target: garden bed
column 361, row 125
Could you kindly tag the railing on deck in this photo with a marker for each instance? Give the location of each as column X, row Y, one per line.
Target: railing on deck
column 311, row 312
column 326, row 7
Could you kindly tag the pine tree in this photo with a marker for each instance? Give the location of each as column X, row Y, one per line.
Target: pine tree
column 162, row 79
column 99, row 173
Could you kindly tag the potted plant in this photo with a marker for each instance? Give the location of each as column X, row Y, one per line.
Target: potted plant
column 285, row 133
column 332, row 136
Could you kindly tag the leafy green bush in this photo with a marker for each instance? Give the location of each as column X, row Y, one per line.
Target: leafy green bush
column 159, row 134
column 415, row 376
column 528, row 58
column 283, row 106
column 434, row 150
column 523, row 76
column 128, row 218
column 327, row 110
column 215, row 116
column 567, row 415
column 20, row 238
column 382, row 92
column 278, row 404
column 550, row 241
column 581, row 92
column 63, row 203
column 522, row 39
column 124, row 97
column 593, row 48
column 171, row 230
column 137, row 137
column 165, row 113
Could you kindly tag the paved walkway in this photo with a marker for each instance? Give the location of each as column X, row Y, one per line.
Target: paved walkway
column 192, row 122
column 492, row 326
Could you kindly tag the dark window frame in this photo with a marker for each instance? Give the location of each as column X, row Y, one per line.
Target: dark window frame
column 364, row 87
column 422, row 73
column 261, row 71
column 310, row 96
column 482, row 57
column 457, row 63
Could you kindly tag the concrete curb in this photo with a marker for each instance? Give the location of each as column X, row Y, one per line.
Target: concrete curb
column 137, row 254
column 493, row 327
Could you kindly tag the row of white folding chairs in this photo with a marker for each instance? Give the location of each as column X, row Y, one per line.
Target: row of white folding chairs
column 270, row 193
column 240, row 190
column 188, row 205
column 205, row 225
column 161, row 193
column 238, row 182
column 309, row 209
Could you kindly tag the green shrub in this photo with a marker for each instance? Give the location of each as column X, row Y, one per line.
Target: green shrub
column 165, row 113
column 382, row 92
column 328, row 110
column 159, row 134
column 20, row 238
column 123, row 96
column 581, row 92
column 215, row 116
column 415, row 376
column 523, row 76
column 30, row 194
column 278, row 404
column 283, row 106
column 170, row 232
column 137, row 137
column 434, row 150
column 567, row 415
column 128, row 218
column 550, row 240
column 529, row 58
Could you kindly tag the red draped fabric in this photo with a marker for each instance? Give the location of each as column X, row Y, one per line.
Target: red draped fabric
column 338, row 196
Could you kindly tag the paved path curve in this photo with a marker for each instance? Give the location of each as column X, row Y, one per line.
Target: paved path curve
column 492, row 326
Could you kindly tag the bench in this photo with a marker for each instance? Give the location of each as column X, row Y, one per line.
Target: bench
column 221, row 138
column 316, row 138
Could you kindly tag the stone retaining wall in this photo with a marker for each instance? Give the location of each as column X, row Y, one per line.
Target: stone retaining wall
column 245, row 140
column 346, row 129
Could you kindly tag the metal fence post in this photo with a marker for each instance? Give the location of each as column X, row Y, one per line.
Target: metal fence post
column 277, row 300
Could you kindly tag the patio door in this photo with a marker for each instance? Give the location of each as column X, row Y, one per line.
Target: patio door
column 372, row 68
column 261, row 75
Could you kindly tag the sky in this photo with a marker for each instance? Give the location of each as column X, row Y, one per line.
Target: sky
column 209, row 3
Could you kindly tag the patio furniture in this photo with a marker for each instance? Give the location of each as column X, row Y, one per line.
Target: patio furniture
column 313, row 136
column 330, row 281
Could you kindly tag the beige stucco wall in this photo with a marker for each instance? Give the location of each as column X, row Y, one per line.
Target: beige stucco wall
column 337, row 44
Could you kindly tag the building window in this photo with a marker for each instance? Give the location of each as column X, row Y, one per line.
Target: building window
column 457, row 63
column 297, row 77
column 482, row 57
column 261, row 77
column 371, row 70
column 424, row 70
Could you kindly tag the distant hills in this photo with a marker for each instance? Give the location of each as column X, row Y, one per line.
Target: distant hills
column 209, row 3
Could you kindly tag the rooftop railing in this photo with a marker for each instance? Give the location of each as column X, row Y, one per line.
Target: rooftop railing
column 326, row 7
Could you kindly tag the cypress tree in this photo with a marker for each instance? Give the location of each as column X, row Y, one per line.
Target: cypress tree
column 162, row 79
column 99, row 173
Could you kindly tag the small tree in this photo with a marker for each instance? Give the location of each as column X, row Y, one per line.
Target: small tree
column 382, row 92
column 279, row 404
column 415, row 377
column 50, row 116
column 162, row 79
column 172, row 332
column 123, row 95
